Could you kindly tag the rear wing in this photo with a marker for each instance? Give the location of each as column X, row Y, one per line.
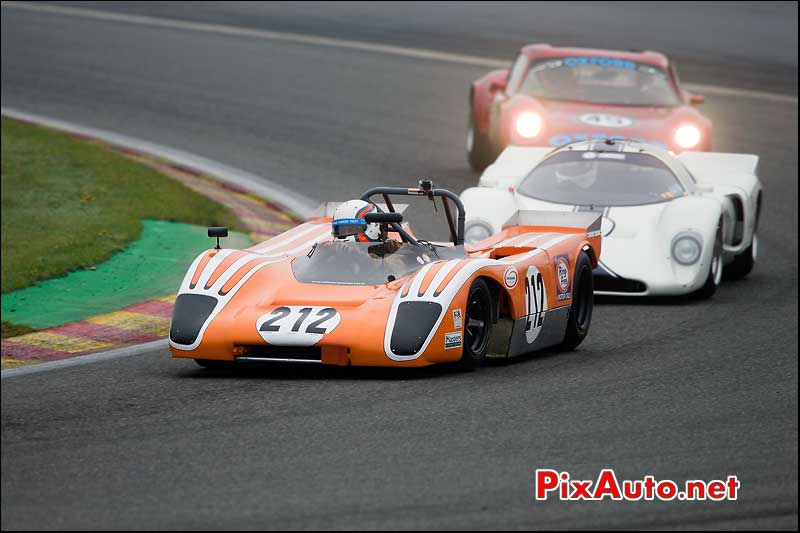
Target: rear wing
column 716, row 168
column 564, row 221
column 586, row 223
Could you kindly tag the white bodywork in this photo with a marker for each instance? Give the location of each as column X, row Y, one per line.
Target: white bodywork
column 637, row 240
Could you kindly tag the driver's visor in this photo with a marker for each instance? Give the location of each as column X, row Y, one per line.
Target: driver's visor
column 344, row 227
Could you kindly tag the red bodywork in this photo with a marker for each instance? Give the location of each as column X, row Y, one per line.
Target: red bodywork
column 495, row 111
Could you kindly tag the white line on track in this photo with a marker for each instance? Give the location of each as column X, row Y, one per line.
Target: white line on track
column 251, row 182
column 414, row 53
column 117, row 353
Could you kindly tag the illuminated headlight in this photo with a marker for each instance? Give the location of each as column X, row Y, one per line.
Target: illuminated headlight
column 686, row 249
column 687, row 136
column 528, row 125
column 476, row 231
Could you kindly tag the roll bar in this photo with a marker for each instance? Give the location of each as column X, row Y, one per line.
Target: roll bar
column 425, row 188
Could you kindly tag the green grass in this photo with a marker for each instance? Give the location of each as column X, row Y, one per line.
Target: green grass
column 69, row 204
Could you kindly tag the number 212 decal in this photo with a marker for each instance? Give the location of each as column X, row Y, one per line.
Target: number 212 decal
column 535, row 303
column 297, row 325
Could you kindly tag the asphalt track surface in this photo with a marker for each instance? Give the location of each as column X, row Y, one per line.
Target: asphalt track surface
column 678, row 390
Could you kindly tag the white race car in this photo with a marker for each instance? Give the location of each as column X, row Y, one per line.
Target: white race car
column 671, row 223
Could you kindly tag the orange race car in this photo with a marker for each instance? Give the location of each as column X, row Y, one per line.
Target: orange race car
column 360, row 289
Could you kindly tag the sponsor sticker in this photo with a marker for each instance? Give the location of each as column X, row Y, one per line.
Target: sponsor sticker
column 565, row 138
column 452, row 340
column 457, row 318
column 535, row 303
column 510, row 277
column 600, row 61
column 562, row 278
column 605, row 120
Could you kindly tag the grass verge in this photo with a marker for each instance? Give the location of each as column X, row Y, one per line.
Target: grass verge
column 69, row 204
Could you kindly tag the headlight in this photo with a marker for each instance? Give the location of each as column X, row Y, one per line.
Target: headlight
column 477, row 231
column 687, row 136
column 528, row 124
column 686, row 249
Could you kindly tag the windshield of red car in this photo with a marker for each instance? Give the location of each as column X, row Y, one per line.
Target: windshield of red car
column 602, row 179
column 600, row 80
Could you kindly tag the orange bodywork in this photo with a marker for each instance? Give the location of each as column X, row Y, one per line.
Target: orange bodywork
column 243, row 297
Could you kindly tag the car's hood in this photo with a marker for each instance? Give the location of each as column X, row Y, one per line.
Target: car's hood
column 569, row 121
column 655, row 124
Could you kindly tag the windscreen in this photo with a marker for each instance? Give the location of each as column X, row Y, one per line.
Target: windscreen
column 602, row 178
column 361, row 263
column 600, row 80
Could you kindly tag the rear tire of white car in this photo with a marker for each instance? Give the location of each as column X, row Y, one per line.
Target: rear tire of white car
column 478, row 318
column 479, row 149
column 580, row 313
column 714, row 271
column 743, row 263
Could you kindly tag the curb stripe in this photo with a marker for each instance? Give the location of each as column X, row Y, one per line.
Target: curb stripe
column 152, row 307
column 57, row 342
column 103, row 333
column 23, row 352
column 134, row 321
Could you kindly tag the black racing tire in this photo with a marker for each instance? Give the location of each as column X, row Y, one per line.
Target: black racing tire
column 714, row 276
column 743, row 263
column 478, row 318
column 212, row 364
column 580, row 312
column 479, row 148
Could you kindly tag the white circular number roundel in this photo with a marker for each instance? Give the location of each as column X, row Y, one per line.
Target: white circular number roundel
column 535, row 303
column 294, row 325
column 604, row 120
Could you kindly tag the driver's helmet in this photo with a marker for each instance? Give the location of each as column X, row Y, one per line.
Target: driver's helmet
column 581, row 173
column 349, row 224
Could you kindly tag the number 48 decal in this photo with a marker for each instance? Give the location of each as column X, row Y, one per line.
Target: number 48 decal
column 297, row 325
column 535, row 303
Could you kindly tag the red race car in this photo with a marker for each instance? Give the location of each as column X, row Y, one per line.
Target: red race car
column 553, row 96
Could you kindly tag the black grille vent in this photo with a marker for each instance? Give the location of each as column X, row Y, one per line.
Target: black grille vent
column 609, row 284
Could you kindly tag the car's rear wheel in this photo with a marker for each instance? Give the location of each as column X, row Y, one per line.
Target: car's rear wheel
column 580, row 313
column 479, row 149
column 714, row 277
column 743, row 263
column 477, row 325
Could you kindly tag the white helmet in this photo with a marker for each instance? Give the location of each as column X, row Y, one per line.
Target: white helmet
column 349, row 224
column 581, row 173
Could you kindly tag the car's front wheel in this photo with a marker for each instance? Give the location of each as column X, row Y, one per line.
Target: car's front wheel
column 477, row 325
column 743, row 263
column 714, row 277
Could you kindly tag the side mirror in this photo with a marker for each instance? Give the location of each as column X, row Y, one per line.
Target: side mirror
column 383, row 218
column 217, row 232
column 704, row 188
column 696, row 99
